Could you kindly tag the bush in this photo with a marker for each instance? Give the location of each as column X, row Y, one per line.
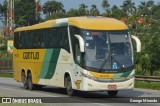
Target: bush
column 156, row 73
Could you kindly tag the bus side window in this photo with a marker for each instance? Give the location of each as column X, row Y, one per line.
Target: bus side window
column 54, row 38
column 38, row 39
column 16, row 40
column 20, row 40
column 66, row 40
column 75, row 45
column 43, row 39
column 46, row 35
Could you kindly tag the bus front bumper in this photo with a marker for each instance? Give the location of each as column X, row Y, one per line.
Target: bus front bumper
column 92, row 85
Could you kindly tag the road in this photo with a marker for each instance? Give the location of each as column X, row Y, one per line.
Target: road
column 10, row 88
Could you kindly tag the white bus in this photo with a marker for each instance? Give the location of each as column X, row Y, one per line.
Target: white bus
column 78, row 53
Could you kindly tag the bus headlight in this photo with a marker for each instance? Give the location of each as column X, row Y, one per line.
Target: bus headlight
column 85, row 74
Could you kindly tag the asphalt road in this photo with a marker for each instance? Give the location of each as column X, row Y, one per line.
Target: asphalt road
column 10, row 88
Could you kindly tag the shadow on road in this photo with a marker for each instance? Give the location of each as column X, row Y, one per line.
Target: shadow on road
column 121, row 94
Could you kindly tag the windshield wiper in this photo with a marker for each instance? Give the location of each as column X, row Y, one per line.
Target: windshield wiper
column 103, row 64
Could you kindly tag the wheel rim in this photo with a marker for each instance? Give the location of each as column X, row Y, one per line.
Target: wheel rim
column 24, row 80
column 30, row 82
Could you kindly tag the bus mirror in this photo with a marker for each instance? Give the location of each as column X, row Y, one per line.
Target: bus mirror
column 138, row 43
column 81, row 42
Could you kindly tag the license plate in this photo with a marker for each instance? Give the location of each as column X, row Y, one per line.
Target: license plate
column 112, row 87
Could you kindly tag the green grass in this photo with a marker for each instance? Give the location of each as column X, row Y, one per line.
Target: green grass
column 147, row 85
column 6, row 75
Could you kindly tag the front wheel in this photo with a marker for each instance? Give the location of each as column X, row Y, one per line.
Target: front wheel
column 68, row 85
column 112, row 93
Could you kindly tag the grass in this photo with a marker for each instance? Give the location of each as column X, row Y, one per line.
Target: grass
column 147, row 85
column 6, row 75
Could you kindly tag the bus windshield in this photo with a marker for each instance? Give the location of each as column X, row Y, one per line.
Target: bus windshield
column 107, row 50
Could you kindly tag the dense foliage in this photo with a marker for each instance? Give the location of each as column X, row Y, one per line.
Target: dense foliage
column 24, row 12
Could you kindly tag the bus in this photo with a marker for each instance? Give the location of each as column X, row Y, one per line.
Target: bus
column 76, row 53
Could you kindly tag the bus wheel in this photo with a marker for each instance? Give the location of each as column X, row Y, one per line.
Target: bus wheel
column 24, row 80
column 31, row 86
column 112, row 93
column 68, row 85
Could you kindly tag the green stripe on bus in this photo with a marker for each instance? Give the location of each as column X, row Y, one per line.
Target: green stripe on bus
column 126, row 74
column 117, row 75
column 49, row 63
column 60, row 24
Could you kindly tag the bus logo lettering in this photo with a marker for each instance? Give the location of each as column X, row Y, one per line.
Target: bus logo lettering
column 31, row 55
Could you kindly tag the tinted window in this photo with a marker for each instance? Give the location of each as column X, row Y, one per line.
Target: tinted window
column 43, row 38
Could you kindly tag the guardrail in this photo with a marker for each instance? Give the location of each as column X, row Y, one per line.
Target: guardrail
column 6, row 71
column 147, row 78
column 5, row 65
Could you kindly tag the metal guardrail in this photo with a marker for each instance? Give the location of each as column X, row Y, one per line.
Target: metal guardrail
column 5, row 65
column 147, row 78
column 6, row 71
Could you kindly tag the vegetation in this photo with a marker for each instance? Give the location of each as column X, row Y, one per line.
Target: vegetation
column 143, row 21
column 147, row 85
column 24, row 12
column 6, row 75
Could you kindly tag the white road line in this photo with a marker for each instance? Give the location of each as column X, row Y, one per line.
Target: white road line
column 82, row 101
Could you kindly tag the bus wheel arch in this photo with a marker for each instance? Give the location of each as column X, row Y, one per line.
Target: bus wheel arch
column 68, row 85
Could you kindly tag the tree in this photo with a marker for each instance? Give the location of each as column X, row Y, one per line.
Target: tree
column 117, row 13
column 150, row 3
column 105, row 4
column 94, row 11
column 72, row 13
column 0, row 7
column 153, row 50
column 3, row 9
column 52, row 7
column 82, row 9
column 145, row 7
column 25, row 12
column 128, row 7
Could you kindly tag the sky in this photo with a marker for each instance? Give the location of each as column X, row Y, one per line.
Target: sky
column 68, row 4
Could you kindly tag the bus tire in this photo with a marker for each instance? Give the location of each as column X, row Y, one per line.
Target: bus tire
column 112, row 93
column 24, row 80
column 31, row 86
column 68, row 85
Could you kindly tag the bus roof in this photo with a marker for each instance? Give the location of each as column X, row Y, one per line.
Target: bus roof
column 91, row 23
